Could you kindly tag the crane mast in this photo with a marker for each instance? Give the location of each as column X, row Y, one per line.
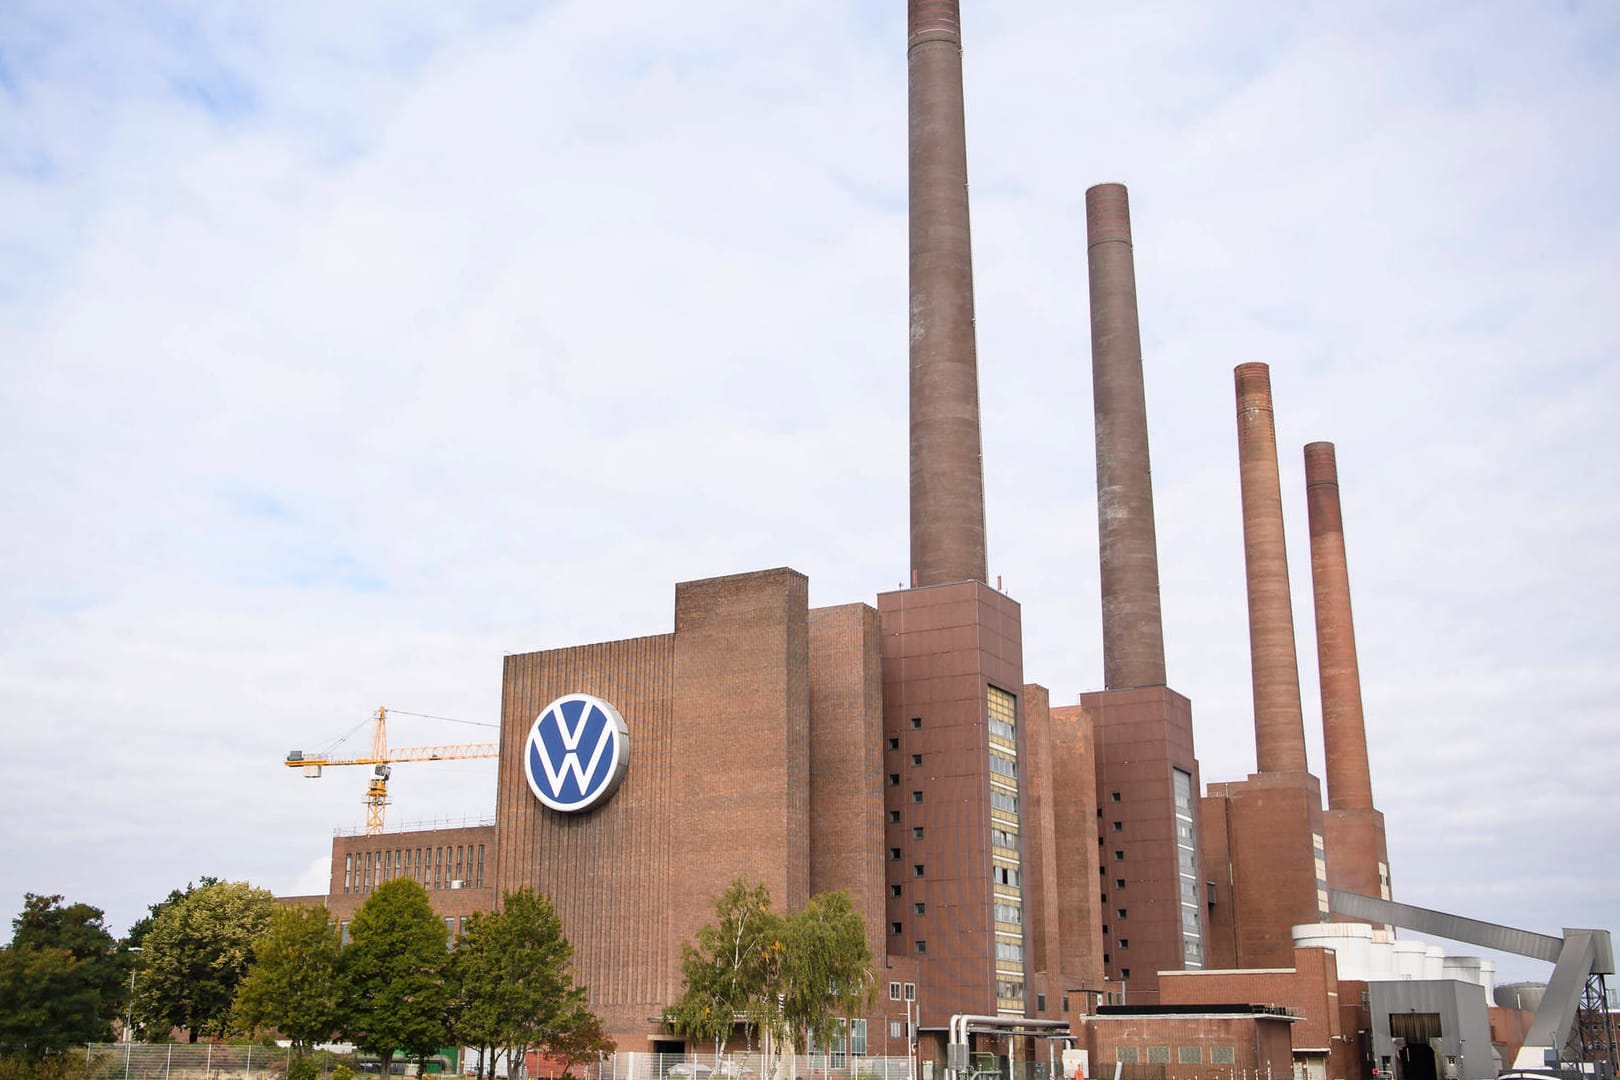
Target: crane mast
column 382, row 759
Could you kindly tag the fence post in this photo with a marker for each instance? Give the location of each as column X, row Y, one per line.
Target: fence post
column 208, row 1069
column 169, row 1063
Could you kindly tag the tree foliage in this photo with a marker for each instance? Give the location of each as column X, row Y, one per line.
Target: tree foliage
column 394, row 974
column 293, row 985
column 195, row 954
column 515, row 984
column 46, row 1001
column 726, row 969
column 825, row 968
column 794, row 976
column 62, row 979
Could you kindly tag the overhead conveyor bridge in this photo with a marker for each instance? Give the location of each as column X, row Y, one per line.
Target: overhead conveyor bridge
column 1573, row 1022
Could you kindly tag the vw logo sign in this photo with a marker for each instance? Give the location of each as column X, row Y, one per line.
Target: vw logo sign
column 578, row 752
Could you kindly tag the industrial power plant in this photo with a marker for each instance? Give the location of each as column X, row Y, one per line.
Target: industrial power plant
column 1030, row 872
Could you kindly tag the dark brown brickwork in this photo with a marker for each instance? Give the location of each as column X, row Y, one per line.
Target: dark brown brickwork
column 1215, row 866
column 942, row 648
column 1044, row 974
column 1358, row 855
column 1279, row 728
column 1258, row 1045
column 1142, row 736
column 1270, row 819
column 947, row 480
column 1074, row 813
column 1309, row 989
column 718, row 784
column 1133, row 635
column 846, row 760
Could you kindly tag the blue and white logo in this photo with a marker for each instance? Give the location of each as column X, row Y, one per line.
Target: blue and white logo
column 578, row 752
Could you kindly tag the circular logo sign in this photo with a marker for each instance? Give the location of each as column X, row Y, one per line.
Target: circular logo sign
column 578, row 752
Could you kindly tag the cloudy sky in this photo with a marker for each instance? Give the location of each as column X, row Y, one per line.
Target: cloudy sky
column 349, row 347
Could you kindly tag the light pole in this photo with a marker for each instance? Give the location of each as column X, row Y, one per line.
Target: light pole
column 129, row 1015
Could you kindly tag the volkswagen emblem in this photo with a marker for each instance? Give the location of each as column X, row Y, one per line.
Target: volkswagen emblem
column 578, row 752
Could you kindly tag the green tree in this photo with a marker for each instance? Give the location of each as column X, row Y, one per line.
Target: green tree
column 515, row 989
column 394, row 974
column 195, row 954
column 47, row 1001
column 143, row 925
column 726, row 971
column 579, row 1039
column 293, row 985
column 825, row 969
column 69, row 947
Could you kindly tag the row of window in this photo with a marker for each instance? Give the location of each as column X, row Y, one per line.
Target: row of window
column 446, row 867
column 1185, row 1055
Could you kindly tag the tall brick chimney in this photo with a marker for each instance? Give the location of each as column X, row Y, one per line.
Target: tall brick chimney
column 1279, row 728
column 1344, row 734
column 1133, row 632
column 1357, row 851
column 947, row 475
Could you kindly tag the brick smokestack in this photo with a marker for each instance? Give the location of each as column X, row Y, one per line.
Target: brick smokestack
column 1279, row 728
column 1349, row 782
column 1133, row 632
column 947, row 475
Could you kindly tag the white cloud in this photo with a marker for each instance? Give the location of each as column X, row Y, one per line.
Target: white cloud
column 344, row 355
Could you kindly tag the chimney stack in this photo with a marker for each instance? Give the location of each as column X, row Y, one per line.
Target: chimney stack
column 1279, row 728
column 1349, row 782
column 947, row 475
column 1127, row 546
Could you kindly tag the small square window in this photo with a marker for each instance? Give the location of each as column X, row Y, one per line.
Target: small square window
column 894, row 853
column 1114, row 796
column 1105, row 929
column 911, row 991
column 894, row 890
column 897, row 1028
column 894, row 991
column 916, row 722
column 922, row 946
column 916, row 832
column 1119, row 883
column 894, row 779
column 919, row 909
column 916, row 759
column 1119, row 856
column 894, row 928
column 917, row 870
column 916, row 796
column 1106, row 958
column 1119, row 826
column 894, row 743
column 1124, row 942
column 1121, row 913
column 1040, row 1002
column 1124, row 973
column 894, row 817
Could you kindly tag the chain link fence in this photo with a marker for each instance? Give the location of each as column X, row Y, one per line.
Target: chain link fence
column 184, row 1061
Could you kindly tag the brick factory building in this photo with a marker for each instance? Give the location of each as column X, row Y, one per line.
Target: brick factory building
column 1003, row 852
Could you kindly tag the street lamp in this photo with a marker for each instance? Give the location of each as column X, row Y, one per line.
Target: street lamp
column 129, row 1016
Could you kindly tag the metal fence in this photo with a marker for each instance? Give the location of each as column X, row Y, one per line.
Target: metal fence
column 646, row 1066
column 184, row 1061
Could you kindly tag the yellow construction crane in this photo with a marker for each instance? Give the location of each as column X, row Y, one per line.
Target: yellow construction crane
column 380, row 760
